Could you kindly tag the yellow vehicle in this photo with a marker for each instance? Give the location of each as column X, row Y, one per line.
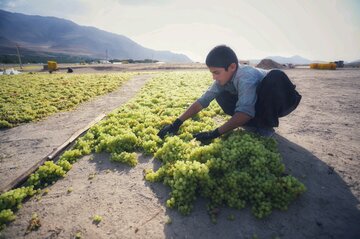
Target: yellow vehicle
column 323, row 66
column 52, row 66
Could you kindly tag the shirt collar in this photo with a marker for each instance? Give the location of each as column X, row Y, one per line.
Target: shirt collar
column 235, row 73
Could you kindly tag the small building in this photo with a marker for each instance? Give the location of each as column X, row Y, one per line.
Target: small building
column 104, row 62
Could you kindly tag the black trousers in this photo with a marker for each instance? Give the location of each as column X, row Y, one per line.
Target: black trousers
column 276, row 97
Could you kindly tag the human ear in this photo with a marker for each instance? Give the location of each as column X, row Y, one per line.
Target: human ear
column 232, row 67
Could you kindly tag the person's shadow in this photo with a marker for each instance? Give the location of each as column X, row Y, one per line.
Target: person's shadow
column 328, row 209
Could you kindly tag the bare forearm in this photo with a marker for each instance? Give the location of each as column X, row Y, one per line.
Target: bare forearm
column 235, row 121
column 191, row 111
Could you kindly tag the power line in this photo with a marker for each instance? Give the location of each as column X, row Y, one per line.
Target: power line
column 17, row 49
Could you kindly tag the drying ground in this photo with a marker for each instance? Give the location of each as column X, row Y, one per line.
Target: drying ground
column 319, row 143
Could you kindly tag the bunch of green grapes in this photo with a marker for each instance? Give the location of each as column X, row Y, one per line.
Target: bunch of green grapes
column 185, row 178
column 149, row 141
column 149, row 147
column 116, row 144
column 11, row 201
column 124, row 157
column 174, row 149
column 83, row 145
column 285, row 190
column 64, row 164
column 46, row 174
column 71, row 156
column 6, row 216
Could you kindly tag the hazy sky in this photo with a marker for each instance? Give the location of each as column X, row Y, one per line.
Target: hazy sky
column 315, row 29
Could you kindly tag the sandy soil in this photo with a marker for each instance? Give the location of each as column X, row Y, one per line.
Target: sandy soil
column 319, row 143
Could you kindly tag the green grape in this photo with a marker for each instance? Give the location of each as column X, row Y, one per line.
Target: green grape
column 149, row 147
column 6, row 216
column 12, row 198
column 46, row 173
column 174, row 149
column 97, row 219
column 71, row 155
column 125, row 142
column 125, row 157
column 66, row 166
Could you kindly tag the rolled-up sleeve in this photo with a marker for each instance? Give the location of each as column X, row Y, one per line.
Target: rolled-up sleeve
column 210, row 95
column 246, row 96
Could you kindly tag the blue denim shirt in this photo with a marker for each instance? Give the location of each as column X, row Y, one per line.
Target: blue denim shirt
column 243, row 84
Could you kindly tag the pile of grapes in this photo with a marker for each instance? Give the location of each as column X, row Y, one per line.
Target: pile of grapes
column 235, row 170
column 30, row 97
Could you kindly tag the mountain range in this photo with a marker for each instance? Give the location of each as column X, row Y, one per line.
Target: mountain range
column 51, row 36
column 295, row 60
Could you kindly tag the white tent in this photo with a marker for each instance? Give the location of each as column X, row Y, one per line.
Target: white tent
column 10, row 71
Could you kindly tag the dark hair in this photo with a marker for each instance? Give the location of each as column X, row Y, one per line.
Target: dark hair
column 221, row 56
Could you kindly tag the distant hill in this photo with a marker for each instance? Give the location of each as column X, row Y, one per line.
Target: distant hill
column 355, row 63
column 295, row 60
column 50, row 36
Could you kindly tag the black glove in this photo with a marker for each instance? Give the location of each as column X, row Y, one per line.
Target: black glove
column 170, row 129
column 207, row 136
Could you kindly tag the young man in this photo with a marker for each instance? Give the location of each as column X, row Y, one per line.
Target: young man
column 253, row 97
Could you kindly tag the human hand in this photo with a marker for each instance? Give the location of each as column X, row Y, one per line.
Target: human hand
column 170, row 129
column 207, row 136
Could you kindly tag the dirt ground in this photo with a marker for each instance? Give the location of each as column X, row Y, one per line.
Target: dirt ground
column 319, row 143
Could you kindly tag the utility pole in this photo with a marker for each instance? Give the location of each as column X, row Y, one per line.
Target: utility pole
column 17, row 49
